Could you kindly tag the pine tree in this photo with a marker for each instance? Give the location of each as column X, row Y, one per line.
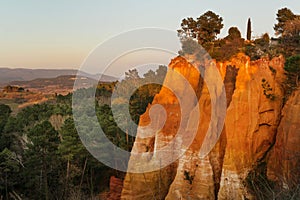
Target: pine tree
column 249, row 31
column 205, row 28
column 283, row 16
column 41, row 172
column 292, row 67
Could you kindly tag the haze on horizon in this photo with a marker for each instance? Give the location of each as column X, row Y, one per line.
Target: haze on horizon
column 60, row 35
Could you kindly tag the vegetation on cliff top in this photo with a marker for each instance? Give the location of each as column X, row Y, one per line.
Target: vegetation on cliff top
column 205, row 32
column 206, row 27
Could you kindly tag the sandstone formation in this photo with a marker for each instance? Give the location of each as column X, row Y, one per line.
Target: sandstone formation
column 254, row 101
column 284, row 159
column 115, row 189
column 251, row 122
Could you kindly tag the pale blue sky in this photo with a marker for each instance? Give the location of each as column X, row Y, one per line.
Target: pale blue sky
column 61, row 33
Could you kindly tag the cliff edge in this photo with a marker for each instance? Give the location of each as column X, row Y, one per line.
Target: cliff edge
column 252, row 142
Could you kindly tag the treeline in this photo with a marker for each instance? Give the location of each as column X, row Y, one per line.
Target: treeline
column 204, row 30
column 41, row 154
column 206, row 27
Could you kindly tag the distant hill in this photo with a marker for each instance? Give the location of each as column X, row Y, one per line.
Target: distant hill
column 19, row 94
column 64, row 82
column 8, row 75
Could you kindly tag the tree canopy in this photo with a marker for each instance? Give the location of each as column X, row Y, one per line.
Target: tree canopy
column 283, row 15
column 292, row 67
column 204, row 29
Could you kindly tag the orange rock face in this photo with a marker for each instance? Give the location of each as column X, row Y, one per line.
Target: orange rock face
column 253, row 107
column 284, row 160
column 115, row 186
column 251, row 122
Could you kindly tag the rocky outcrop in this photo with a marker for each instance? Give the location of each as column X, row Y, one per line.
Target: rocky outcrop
column 155, row 184
column 115, row 186
column 251, row 122
column 253, row 103
column 284, row 159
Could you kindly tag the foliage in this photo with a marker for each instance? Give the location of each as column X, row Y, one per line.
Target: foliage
column 9, row 135
column 41, row 162
column 261, row 187
column 234, row 33
column 259, row 48
column 232, row 44
column 290, row 39
column 136, row 104
column 64, row 99
column 210, row 26
column 4, row 115
column 249, row 30
column 105, row 89
column 264, row 41
column 38, row 112
column 188, row 46
column 9, row 172
column 77, row 160
column 204, row 29
column 111, row 129
column 292, row 28
column 283, row 15
column 268, row 91
column 221, row 49
column 70, row 146
column 292, row 68
column 288, row 28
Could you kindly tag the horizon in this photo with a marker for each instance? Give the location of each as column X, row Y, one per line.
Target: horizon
column 142, row 70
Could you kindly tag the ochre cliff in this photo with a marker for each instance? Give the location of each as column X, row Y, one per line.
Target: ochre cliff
column 254, row 101
column 284, row 158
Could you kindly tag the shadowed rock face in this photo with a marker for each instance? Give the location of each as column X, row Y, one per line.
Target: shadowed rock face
column 254, row 103
column 284, row 159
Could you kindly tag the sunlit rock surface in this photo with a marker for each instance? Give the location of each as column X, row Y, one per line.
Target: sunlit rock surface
column 284, row 160
column 254, row 108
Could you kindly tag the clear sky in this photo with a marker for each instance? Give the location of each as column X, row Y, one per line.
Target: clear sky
column 61, row 33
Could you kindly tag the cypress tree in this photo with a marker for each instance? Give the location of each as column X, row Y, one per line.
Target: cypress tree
column 249, row 30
